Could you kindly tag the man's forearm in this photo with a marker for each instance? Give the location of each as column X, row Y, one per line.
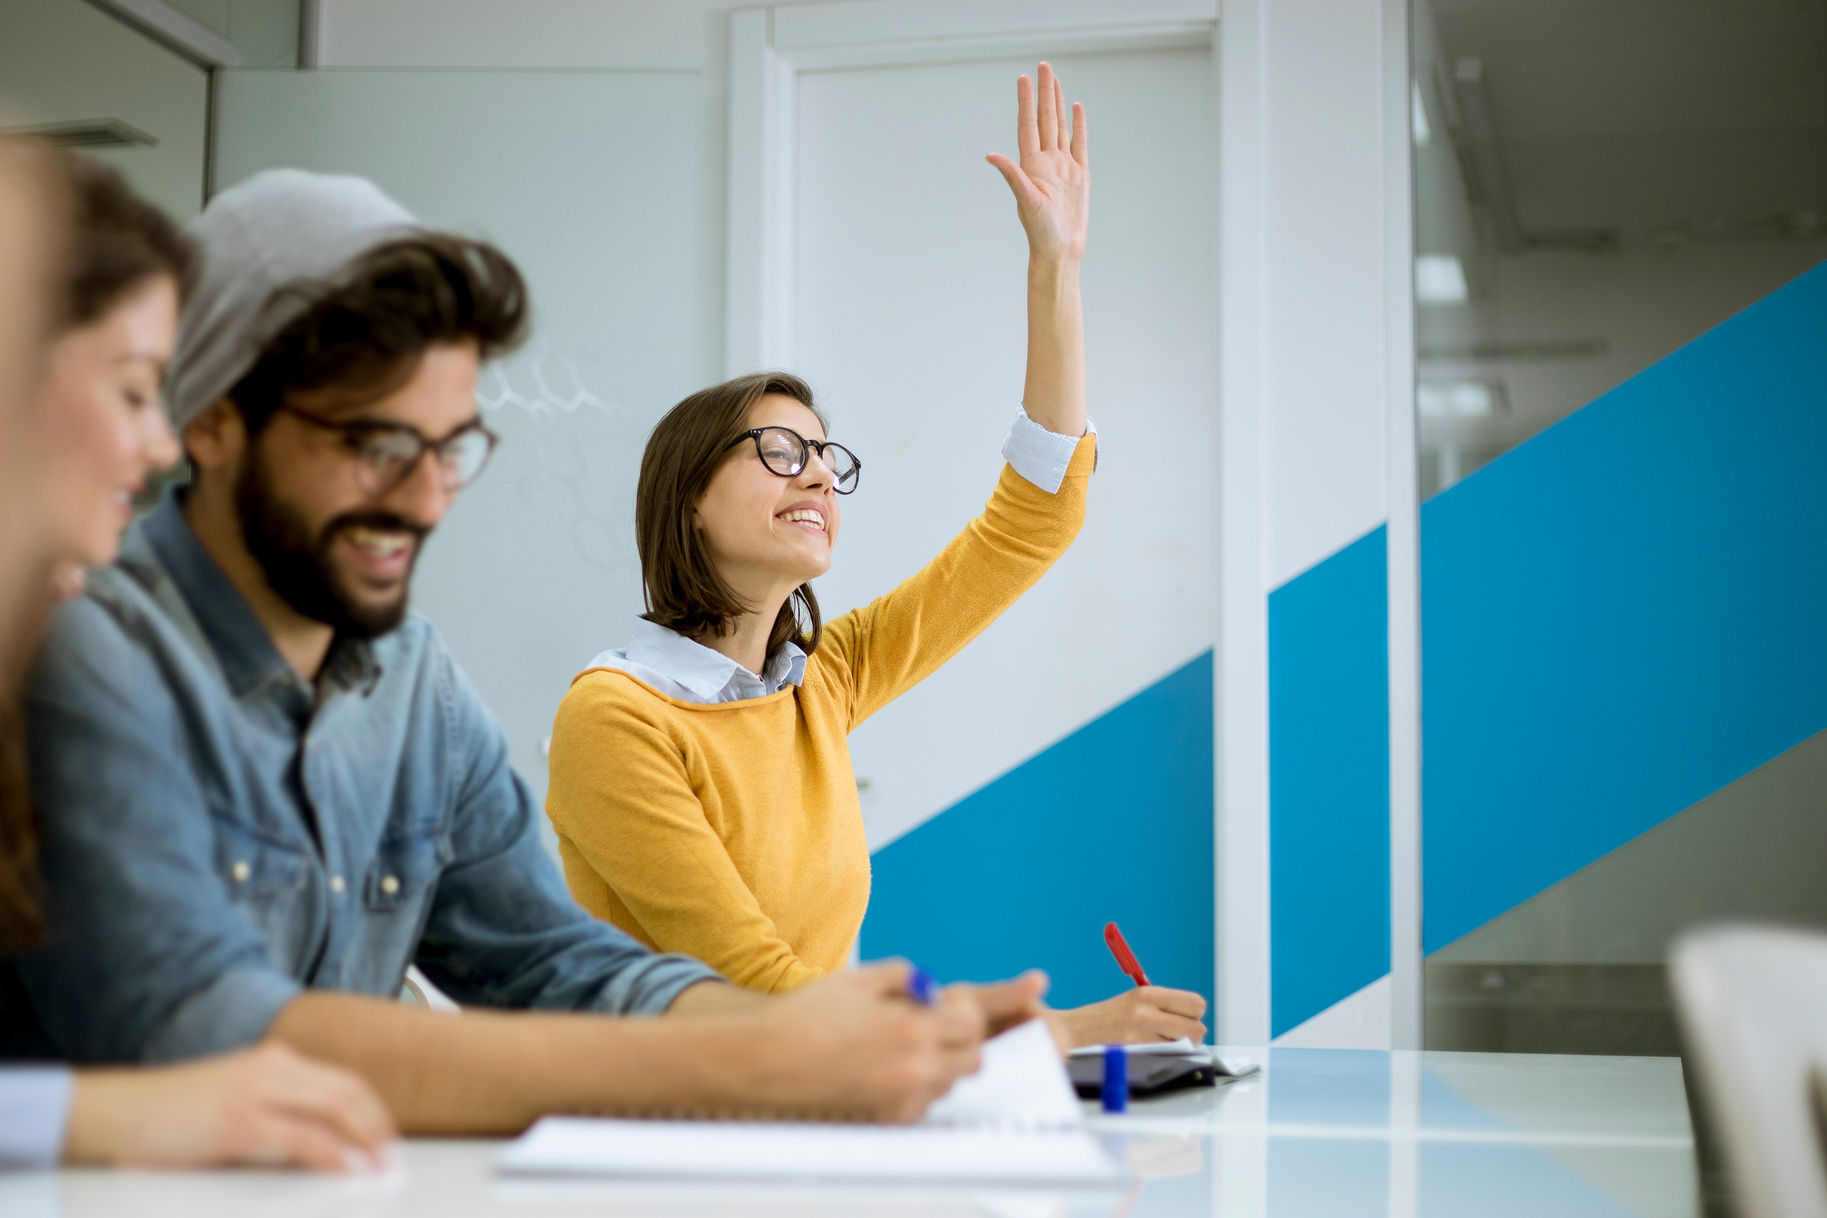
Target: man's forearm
column 488, row 1072
column 1054, row 394
column 716, row 998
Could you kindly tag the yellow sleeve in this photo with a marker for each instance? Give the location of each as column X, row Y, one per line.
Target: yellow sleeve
column 624, row 793
column 879, row 652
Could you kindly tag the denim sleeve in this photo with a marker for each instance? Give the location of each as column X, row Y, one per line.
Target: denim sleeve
column 34, row 1108
column 503, row 929
column 147, row 959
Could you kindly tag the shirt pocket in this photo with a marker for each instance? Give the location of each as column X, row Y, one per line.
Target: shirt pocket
column 405, row 872
column 264, row 880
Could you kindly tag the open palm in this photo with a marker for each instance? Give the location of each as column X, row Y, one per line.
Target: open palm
column 1052, row 184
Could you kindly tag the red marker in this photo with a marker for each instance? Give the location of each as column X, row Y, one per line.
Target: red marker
column 1126, row 959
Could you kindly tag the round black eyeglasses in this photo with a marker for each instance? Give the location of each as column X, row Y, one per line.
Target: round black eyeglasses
column 785, row 452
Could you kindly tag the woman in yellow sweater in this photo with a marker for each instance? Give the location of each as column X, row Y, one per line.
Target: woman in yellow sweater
column 701, row 783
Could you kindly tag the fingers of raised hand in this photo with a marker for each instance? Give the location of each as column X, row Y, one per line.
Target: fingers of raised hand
column 1027, row 133
column 1081, row 138
column 1025, row 194
column 1047, row 88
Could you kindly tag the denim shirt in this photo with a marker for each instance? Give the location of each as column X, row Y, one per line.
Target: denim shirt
column 219, row 833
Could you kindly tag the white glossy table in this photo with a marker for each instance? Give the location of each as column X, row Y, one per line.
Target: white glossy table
column 1321, row 1132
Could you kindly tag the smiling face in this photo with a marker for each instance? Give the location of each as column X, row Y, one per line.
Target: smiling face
column 768, row 534
column 334, row 551
column 106, row 428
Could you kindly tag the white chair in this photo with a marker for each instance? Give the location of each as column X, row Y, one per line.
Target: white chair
column 1752, row 1002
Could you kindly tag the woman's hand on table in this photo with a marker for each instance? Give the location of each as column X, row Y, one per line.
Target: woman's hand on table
column 263, row 1107
column 1145, row 1014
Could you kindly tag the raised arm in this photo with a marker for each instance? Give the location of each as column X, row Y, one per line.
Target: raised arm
column 881, row 650
column 1052, row 187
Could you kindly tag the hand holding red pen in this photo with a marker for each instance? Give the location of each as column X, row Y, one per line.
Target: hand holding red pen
column 1146, row 1013
column 1126, row 959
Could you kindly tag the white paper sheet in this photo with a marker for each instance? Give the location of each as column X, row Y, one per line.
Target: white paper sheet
column 732, row 1150
column 1015, row 1122
column 1176, row 1048
column 1022, row 1084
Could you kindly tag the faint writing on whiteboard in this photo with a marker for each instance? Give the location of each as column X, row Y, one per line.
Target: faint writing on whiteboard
column 553, row 382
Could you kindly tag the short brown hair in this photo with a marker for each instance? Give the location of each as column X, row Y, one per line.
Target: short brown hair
column 684, row 591
column 117, row 241
column 368, row 327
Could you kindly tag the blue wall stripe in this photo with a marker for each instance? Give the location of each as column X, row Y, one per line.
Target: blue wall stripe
column 1112, row 823
column 1626, row 613
column 1329, row 782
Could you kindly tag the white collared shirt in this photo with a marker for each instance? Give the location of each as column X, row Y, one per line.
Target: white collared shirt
column 691, row 672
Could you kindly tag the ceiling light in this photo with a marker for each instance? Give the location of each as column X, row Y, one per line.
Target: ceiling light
column 1457, row 399
column 1440, row 280
column 1423, row 132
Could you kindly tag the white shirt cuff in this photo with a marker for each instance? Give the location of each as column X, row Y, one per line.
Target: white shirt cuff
column 1039, row 455
column 34, row 1108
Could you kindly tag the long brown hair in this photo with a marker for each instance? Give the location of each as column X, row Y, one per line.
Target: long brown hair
column 116, row 242
column 684, row 591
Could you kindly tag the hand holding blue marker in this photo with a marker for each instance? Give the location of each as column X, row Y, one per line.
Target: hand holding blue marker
column 921, row 987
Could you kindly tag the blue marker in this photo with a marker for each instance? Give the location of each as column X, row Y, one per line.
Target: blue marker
column 922, row 988
column 1115, row 1091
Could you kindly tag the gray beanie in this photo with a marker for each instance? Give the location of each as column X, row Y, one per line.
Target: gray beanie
column 280, row 228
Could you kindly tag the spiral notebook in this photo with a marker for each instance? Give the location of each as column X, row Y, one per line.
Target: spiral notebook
column 1015, row 1122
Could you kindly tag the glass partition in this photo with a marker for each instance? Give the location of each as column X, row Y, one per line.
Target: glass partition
column 1620, row 212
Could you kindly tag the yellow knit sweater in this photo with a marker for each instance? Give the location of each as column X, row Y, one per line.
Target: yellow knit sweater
column 732, row 831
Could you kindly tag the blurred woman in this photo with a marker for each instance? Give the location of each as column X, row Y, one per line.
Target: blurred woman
column 84, row 340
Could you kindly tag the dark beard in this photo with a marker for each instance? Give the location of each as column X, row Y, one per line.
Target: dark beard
column 297, row 565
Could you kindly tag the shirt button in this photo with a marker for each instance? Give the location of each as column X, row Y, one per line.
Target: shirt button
column 336, row 884
column 390, row 884
column 241, row 871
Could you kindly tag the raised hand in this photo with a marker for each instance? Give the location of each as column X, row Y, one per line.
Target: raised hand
column 1052, row 184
